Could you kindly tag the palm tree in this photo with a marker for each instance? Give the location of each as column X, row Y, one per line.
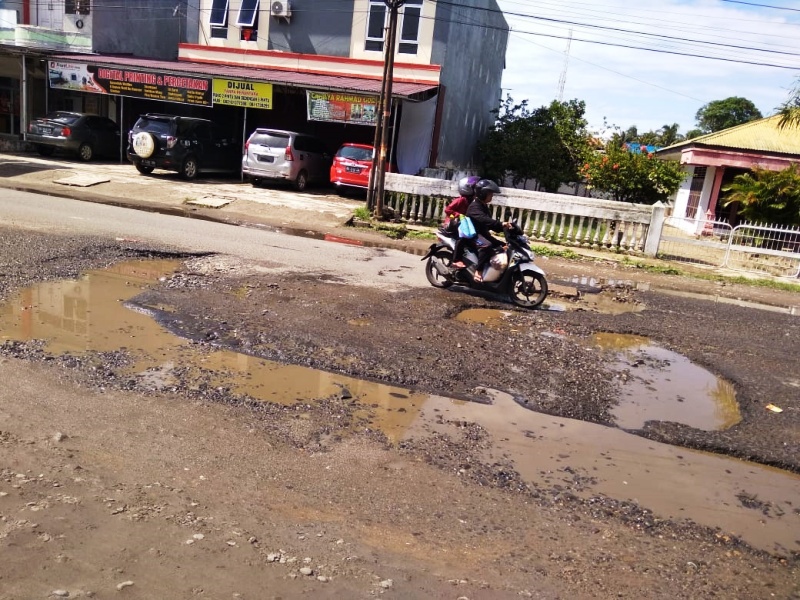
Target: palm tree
column 669, row 135
column 766, row 196
column 790, row 111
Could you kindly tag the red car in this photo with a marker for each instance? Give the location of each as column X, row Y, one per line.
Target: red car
column 351, row 166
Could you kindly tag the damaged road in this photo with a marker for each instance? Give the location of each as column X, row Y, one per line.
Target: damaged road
column 313, row 494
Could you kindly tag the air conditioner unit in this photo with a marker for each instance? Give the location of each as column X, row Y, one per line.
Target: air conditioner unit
column 280, row 8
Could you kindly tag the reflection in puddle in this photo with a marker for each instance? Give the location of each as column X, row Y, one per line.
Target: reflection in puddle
column 661, row 385
column 89, row 314
column 587, row 459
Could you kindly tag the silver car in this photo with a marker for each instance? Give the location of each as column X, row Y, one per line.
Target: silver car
column 275, row 154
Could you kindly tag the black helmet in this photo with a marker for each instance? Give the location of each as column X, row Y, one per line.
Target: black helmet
column 466, row 186
column 484, row 187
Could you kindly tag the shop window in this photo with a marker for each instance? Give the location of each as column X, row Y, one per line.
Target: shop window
column 410, row 16
column 219, row 13
column 409, row 30
column 376, row 26
column 218, row 19
column 247, row 21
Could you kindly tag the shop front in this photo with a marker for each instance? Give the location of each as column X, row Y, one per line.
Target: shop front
column 334, row 108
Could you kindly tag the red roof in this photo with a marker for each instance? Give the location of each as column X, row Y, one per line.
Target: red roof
column 312, row 81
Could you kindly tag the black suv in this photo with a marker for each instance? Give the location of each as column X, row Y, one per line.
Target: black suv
column 183, row 144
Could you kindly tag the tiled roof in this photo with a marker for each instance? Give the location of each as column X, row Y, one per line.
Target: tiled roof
column 303, row 80
column 763, row 135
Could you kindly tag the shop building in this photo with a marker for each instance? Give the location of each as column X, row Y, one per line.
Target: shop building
column 310, row 65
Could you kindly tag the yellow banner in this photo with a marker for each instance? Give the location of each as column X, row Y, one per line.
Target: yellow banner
column 234, row 92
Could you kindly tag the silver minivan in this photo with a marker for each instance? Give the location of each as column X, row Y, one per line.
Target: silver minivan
column 285, row 155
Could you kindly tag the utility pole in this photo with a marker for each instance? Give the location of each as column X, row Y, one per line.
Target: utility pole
column 563, row 79
column 378, row 174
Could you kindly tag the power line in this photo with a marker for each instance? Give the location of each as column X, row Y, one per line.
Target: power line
column 761, row 5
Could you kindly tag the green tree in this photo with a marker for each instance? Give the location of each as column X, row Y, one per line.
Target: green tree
column 668, row 135
column 665, row 136
column 546, row 144
column 631, row 176
column 766, row 196
column 722, row 114
column 790, row 111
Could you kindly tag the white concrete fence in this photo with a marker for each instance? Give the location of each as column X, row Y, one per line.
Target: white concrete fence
column 557, row 218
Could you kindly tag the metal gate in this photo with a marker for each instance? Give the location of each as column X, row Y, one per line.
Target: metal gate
column 748, row 247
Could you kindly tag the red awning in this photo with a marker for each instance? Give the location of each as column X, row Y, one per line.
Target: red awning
column 311, row 81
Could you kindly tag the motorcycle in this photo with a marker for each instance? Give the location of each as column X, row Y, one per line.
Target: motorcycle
column 510, row 271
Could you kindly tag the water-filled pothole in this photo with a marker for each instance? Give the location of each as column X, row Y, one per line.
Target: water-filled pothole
column 91, row 314
column 662, row 385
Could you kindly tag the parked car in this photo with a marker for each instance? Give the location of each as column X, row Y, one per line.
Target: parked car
column 83, row 134
column 351, row 167
column 285, row 155
column 187, row 145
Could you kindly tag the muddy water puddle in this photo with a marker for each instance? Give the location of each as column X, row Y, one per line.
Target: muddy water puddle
column 656, row 384
column 662, row 385
column 92, row 314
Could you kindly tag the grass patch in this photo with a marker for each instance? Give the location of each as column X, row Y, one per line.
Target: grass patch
column 555, row 252
column 662, row 269
column 362, row 213
column 395, row 232
column 415, row 234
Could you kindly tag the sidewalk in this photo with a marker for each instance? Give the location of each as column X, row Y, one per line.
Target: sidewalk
column 225, row 199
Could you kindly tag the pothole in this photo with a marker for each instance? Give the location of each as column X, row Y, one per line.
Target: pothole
column 661, row 385
column 91, row 314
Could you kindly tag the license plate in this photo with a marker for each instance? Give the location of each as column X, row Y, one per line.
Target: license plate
column 47, row 130
column 265, row 158
column 353, row 169
column 147, row 163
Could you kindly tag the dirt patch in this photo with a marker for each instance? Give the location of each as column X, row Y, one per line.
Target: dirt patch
column 130, row 474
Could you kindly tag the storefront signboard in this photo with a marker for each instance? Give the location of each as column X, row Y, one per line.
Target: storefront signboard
column 125, row 82
column 341, row 107
column 234, row 92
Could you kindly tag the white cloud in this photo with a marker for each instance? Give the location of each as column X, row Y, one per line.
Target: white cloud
column 643, row 88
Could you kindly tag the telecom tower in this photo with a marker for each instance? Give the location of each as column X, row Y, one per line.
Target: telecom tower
column 563, row 79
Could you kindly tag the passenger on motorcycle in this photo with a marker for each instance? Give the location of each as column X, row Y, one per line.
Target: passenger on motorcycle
column 478, row 211
column 456, row 209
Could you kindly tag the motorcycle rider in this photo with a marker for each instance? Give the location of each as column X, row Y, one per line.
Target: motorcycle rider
column 478, row 211
column 456, row 209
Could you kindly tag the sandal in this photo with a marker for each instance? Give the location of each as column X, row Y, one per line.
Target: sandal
column 459, row 265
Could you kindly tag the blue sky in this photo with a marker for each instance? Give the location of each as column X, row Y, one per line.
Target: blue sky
column 633, row 86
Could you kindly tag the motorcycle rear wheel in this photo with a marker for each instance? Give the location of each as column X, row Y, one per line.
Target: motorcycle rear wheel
column 435, row 278
column 528, row 289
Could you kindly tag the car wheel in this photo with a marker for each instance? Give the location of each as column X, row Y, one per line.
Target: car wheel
column 256, row 181
column 85, row 152
column 189, row 168
column 144, row 144
column 45, row 150
column 144, row 170
column 301, row 183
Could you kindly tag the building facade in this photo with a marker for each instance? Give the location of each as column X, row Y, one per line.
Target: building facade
column 310, row 65
column 713, row 160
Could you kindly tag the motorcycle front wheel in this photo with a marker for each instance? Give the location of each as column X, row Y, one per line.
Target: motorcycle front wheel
column 528, row 289
column 436, row 279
